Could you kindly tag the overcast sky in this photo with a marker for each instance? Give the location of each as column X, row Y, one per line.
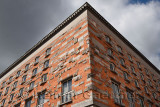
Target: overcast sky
column 25, row 22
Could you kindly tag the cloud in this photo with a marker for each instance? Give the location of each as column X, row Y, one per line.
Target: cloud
column 24, row 23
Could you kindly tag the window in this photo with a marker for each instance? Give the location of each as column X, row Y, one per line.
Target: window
column 24, row 78
column 112, row 67
column 119, row 49
column 27, row 67
column 21, row 92
column 28, row 102
column 11, row 97
column 46, row 64
column 141, row 102
column 110, row 53
column 36, row 60
column 149, row 82
column 154, row 95
column 146, row 89
column 6, row 92
column 150, row 104
column 3, row 102
column 133, row 70
column 31, row 86
column 0, row 94
column 142, row 76
column 130, row 98
column 10, row 79
column 18, row 73
column 34, row 72
column 48, row 52
column 157, row 88
column 15, row 85
column 108, row 40
column 147, row 72
column 139, row 65
column 44, row 78
column 130, row 58
column 136, row 83
column 116, row 93
column 122, row 62
column 3, row 84
column 66, row 90
column 41, row 98
column 126, row 76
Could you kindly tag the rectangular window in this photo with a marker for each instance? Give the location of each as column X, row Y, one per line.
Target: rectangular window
column 6, row 92
column 41, row 98
column 149, row 82
column 15, row 85
column 24, row 78
column 11, row 97
column 34, row 72
column 0, row 94
column 36, row 60
column 28, row 102
column 31, row 86
column 44, row 78
column 126, row 76
column 141, row 102
column 150, row 104
column 130, row 99
column 3, row 102
column 139, row 65
column 142, row 76
column 48, row 52
column 116, row 93
column 10, row 79
column 18, row 73
column 46, row 64
column 136, row 84
column 146, row 89
column 21, row 92
column 3, row 84
column 66, row 91
column 27, row 67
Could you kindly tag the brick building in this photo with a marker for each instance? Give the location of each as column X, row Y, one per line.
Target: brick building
column 84, row 62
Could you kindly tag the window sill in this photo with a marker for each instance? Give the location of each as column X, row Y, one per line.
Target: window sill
column 43, row 82
column 35, row 63
column 65, row 103
column 33, row 76
column 47, row 55
column 22, row 82
column 30, row 90
column 9, row 101
column 127, row 80
column 114, row 72
column 111, row 56
column 45, row 68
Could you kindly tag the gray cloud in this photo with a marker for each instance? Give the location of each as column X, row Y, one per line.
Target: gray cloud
column 24, row 22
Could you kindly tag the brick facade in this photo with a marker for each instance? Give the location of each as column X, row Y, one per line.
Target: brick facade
column 85, row 63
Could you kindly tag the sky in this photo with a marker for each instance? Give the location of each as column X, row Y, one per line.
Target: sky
column 25, row 22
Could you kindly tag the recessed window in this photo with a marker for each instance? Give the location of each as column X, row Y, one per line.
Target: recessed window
column 130, row 58
column 139, row 65
column 31, row 86
column 41, row 98
column 119, row 49
column 34, row 72
column 126, row 76
column 46, row 64
column 15, row 85
column 154, row 95
column 142, row 76
column 133, row 70
column 108, row 40
column 48, row 51
column 147, row 72
column 44, row 77
column 141, row 101
column 136, row 83
column 146, row 89
column 24, row 78
column 6, row 92
column 37, row 59
column 122, row 62
column 28, row 102
column 112, row 67
column 149, row 82
column 18, row 73
column 117, row 98
column 3, row 102
column 130, row 98
column 11, row 97
column 0, row 94
column 3, row 84
column 10, row 79
column 110, row 52
column 21, row 92
column 27, row 67
column 66, row 90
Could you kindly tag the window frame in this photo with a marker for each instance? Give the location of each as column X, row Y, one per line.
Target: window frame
column 46, row 64
column 31, row 86
column 38, row 100
column 48, row 52
column 27, row 67
column 34, row 72
column 29, row 100
column 6, row 91
column 131, row 99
